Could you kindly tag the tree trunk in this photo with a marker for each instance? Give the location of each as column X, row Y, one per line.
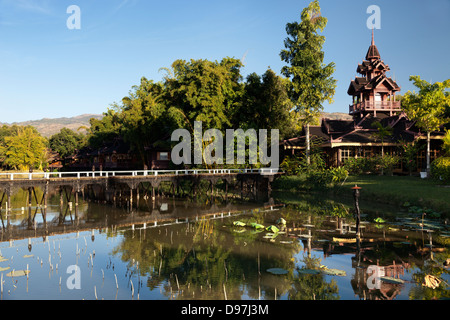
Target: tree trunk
column 308, row 146
column 428, row 154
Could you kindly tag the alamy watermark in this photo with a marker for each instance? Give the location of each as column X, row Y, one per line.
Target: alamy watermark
column 74, row 20
column 374, row 280
column 212, row 148
column 374, row 21
column 74, row 280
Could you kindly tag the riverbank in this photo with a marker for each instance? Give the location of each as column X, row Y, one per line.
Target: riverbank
column 402, row 191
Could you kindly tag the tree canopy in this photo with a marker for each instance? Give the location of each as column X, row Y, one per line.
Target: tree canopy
column 22, row 148
column 428, row 107
column 66, row 142
column 311, row 80
column 212, row 92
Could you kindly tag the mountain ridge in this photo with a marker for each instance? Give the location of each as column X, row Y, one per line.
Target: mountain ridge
column 50, row 126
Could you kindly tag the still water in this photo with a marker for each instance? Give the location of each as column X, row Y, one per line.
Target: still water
column 214, row 249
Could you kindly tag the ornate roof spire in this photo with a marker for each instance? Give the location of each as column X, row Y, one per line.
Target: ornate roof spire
column 373, row 39
column 373, row 52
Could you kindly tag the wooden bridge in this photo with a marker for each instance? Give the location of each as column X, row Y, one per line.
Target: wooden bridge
column 113, row 186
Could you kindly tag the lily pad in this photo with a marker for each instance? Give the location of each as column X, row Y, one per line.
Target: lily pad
column 18, row 273
column 273, row 229
column 380, row 220
column 281, row 221
column 334, row 272
column 2, row 259
column 28, row 256
column 239, row 224
column 277, row 271
column 256, row 225
column 4, row 269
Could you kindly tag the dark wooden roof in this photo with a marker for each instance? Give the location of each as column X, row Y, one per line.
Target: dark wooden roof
column 373, row 53
column 363, row 85
column 360, row 131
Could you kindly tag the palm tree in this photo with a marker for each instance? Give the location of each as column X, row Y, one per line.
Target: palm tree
column 381, row 134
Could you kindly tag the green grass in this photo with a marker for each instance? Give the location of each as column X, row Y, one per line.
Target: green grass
column 397, row 190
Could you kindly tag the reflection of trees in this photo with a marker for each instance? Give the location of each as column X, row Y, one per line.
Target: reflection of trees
column 313, row 286
column 432, row 266
column 197, row 265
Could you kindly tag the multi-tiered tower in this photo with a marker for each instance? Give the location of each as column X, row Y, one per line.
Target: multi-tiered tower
column 374, row 93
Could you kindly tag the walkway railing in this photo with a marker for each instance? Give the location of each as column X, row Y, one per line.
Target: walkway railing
column 135, row 173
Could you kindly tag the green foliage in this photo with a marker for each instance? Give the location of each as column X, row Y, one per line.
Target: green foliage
column 378, row 164
column 382, row 133
column 202, row 90
column 266, row 104
column 446, row 143
column 311, row 79
column 357, row 166
column 66, row 142
column 338, row 175
column 104, row 130
column 428, row 107
column 387, row 163
column 440, row 169
column 291, row 165
column 339, row 210
column 195, row 90
column 22, row 148
column 409, row 154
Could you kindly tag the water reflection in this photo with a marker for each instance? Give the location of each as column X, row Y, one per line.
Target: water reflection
column 192, row 249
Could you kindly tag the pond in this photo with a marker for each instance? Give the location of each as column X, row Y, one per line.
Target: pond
column 295, row 247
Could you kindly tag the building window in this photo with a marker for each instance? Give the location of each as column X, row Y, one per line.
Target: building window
column 163, row 156
column 347, row 153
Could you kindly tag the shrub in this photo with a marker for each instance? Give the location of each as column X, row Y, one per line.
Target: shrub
column 291, row 165
column 377, row 164
column 440, row 169
column 338, row 174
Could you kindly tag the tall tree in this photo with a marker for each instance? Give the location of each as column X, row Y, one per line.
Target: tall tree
column 66, row 142
column 427, row 107
column 25, row 148
column 311, row 79
column 202, row 90
column 266, row 104
column 381, row 134
column 143, row 116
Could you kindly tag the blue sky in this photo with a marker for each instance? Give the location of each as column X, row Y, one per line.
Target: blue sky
column 49, row 71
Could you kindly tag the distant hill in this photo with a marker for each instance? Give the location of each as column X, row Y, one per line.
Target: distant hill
column 336, row 116
column 48, row 127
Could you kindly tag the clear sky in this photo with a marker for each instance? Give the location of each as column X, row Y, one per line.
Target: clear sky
column 49, row 71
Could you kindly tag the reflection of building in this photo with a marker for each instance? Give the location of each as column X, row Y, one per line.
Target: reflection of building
column 373, row 100
column 368, row 284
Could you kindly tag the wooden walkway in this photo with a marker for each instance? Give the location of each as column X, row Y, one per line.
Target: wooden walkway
column 112, row 186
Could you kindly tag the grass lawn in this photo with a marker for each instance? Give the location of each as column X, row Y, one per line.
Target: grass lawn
column 395, row 190
column 398, row 189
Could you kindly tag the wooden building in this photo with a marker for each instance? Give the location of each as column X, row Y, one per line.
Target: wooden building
column 373, row 100
column 119, row 155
